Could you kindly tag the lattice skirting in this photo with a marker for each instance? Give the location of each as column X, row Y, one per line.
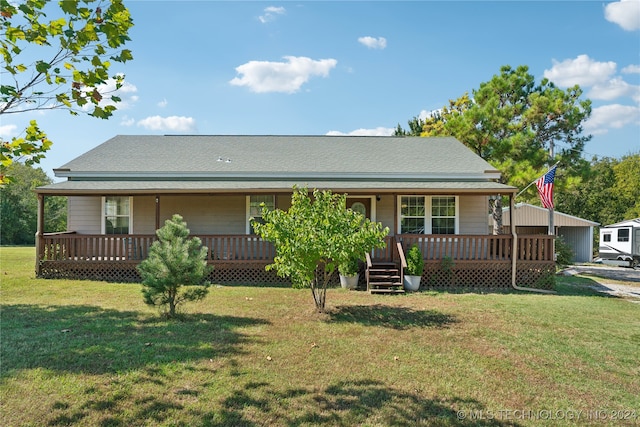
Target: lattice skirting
column 125, row 272
column 108, row 271
column 458, row 275
column 249, row 273
column 536, row 274
column 437, row 274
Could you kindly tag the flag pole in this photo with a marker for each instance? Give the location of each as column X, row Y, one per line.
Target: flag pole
column 551, row 230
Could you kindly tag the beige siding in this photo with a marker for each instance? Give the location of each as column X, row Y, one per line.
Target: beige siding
column 473, row 214
column 204, row 214
column 207, row 214
column 144, row 215
column 385, row 212
column 84, row 214
column 534, row 216
column 227, row 214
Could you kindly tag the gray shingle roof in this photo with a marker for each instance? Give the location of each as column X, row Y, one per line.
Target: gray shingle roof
column 243, row 162
column 279, row 154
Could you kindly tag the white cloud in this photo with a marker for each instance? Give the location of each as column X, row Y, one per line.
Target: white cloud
column 379, row 131
column 171, row 124
column 127, row 121
column 582, row 71
column 612, row 116
column 372, row 42
column 163, row 103
column 614, row 88
column 286, row 77
column 625, row 13
column 631, row 69
column 270, row 13
column 8, row 131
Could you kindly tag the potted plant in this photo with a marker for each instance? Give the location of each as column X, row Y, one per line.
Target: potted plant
column 349, row 273
column 414, row 269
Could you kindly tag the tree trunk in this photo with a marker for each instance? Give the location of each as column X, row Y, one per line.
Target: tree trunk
column 172, row 303
column 496, row 213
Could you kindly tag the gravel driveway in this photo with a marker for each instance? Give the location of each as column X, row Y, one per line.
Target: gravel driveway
column 604, row 275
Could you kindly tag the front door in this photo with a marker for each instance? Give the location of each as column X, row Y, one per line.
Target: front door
column 361, row 205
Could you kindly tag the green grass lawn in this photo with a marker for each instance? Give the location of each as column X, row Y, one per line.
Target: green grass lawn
column 92, row 353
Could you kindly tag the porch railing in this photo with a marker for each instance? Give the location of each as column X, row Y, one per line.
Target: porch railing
column 435, row 247
column 88, row 247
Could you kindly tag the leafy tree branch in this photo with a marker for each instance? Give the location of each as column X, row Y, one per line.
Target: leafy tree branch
column 61, row 62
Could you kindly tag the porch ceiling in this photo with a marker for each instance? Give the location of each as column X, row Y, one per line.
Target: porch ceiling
column 159, row 187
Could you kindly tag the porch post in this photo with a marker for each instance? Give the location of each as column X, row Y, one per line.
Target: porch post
column 395, row 214
column 157, row 212
column 39, row 232
column 514, row 243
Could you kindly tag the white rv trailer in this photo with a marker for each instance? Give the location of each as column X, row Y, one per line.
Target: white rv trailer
column 620, row 243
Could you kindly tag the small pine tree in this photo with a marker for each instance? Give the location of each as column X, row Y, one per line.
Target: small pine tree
column 175, row 261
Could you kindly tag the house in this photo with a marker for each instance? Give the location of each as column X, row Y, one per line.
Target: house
column 429, row 191
column 576, row 232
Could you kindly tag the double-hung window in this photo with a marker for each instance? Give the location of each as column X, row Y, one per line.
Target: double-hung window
column 443, row 215
column 412, row 215
column 428, row 214
column 116, row 215
column 254, row 208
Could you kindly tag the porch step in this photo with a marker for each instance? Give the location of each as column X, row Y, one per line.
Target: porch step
column 384, row 278
column 386, row 291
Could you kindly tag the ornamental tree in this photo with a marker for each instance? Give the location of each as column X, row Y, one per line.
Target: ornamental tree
column 176, row 268
column 315, row 236
column 58, row 57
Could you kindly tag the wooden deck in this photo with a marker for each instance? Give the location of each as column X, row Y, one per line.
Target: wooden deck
column 451, row 261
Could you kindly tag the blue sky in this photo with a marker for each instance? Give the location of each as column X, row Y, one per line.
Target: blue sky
column 357, row 67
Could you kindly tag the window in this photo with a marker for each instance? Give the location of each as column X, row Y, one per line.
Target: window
column 117, row 215
column 412, row 215
column 623, row 235
column 443, row 215
column 606, row 237
column 254, row 211
column 428, row 214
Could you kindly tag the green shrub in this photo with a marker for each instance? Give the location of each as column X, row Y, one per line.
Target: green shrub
column 415, row 262
column 564, row 253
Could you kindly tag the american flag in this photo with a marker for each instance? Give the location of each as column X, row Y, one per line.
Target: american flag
column 545, row 187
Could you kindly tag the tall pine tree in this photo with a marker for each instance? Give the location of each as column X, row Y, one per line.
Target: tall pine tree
column 515, row 125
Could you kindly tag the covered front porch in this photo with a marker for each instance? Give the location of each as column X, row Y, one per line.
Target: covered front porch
column 451, row 261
